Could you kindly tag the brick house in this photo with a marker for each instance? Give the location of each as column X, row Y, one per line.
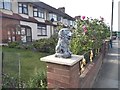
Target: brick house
column 29, row 21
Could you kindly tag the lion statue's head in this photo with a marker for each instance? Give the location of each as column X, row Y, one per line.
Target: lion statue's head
column 62, row 48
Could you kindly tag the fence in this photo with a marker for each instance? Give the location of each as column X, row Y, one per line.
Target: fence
column 91, row 55
column 22, row 69
column 10, row 70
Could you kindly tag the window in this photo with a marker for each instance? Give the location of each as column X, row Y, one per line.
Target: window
column 38, row 13
column 5, row 4
column 59, row 18
column 41, row 30
column 65, row 21
column 11, row 34
column 26, row 34
column 22, row 31
column 1, row 4
column 23, row 8
column 53, row 16
column 71, row 22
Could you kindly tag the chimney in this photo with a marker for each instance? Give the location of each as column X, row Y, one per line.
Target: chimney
column 77, row 17
column 62, row 9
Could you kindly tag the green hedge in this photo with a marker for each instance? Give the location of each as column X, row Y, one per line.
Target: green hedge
column 46, row 45
column 13, row 44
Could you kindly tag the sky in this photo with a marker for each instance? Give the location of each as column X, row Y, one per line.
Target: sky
column 89, row 8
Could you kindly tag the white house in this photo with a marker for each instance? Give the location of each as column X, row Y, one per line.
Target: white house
column 28, row 21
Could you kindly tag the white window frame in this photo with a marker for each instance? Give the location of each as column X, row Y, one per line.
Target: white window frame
column 41, row 30
column 54, row 16
column 23, row 7
column 39, row 13
column 6, row 4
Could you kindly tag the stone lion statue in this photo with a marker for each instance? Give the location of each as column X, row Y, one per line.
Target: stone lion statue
column 62, row 47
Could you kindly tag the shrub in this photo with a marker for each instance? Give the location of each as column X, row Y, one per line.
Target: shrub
column 89, row 34
column 25, row 46
column 38, row 80
column 13, row 44
column 20, row 45
column 46, row 45
column 10, row 81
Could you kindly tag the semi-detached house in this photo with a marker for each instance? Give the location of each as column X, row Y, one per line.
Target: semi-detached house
column 29, row 21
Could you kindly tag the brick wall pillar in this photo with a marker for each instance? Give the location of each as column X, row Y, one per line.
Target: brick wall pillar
column 63, row 73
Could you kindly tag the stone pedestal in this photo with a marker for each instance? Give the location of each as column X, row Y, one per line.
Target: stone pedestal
column 63, row 73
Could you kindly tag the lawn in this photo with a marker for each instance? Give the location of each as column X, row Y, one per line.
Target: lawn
column 29, row 62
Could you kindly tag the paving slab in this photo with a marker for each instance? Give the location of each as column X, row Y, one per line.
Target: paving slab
column 108, row 76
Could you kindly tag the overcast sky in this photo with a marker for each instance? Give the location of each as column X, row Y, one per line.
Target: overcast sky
column 89, row 8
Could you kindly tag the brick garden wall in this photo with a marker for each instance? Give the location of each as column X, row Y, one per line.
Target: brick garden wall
column 62, row 76
column 87, row 78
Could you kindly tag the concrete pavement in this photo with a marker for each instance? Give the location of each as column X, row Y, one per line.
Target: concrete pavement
column 108, row 76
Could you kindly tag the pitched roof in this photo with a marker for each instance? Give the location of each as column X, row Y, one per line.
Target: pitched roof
column 48, row 7
column 17, row 17
column 52, row 9
column 20, row 18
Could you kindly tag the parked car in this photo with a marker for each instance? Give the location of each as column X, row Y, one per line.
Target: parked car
column 113, row 37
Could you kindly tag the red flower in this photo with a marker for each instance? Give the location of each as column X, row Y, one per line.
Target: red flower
column 83, row 17
column 84, row 28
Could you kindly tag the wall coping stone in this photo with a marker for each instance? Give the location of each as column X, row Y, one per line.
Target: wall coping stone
column 63, row 61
